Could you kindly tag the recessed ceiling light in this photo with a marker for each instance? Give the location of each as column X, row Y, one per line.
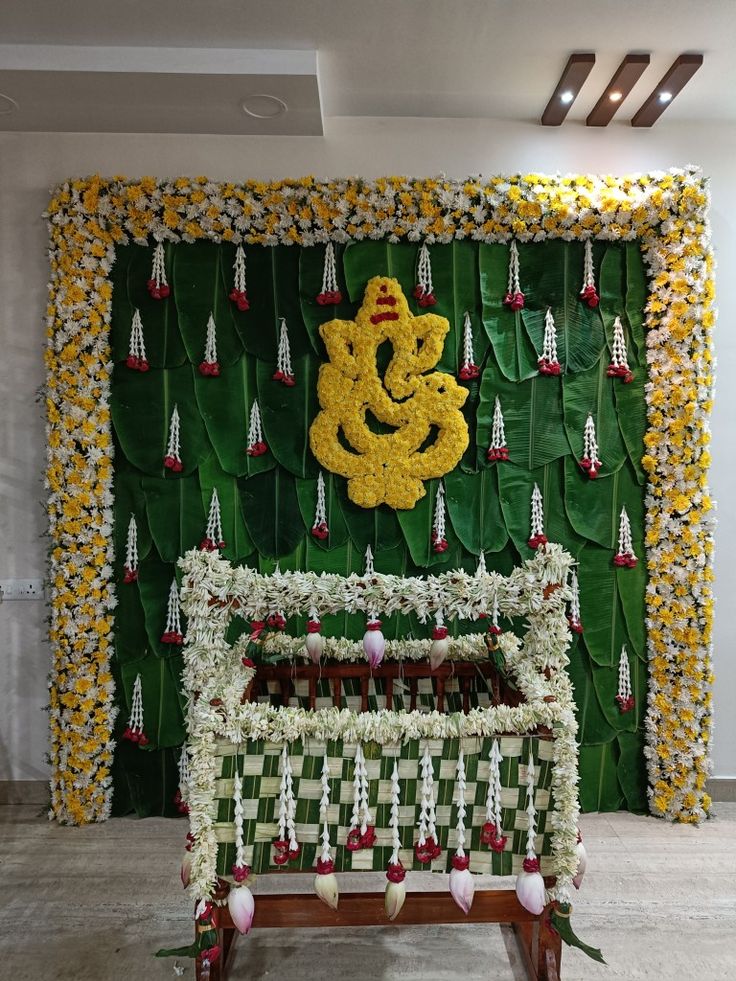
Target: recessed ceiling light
column 7, row 105
column 665, row 96
column 567, row 97
column 615, row 96
column 263, row 106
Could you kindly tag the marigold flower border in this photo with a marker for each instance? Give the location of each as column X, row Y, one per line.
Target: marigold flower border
column 667, row 212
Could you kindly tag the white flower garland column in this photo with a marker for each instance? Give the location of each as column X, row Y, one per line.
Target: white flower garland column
column 325, row 882
column 210, row 366
column 625, row 557
column 462, row 886
column 239, row 294
column 537, row 536
column 158, row 285
column 424, row 290
column 374, row 643
column 130, row 570
column 492, row 831
column 589, row 460
column 427, row 848
column 240, row 899
column 256, row 443
column 498, row 451
column 181, row 797
column 172, row 460
column 361, row 833
column 547, row 361
column 440, row 645
column 134, row 730
column 624, row 695
column 576, row 624
column 319, row 527
column 530, row 888
column 396, row 873
column 514, row 298
column 136, row 359
column 619, row 364
column 329, row 295
column 212, row 540
column 468, row 369
column 286, row 845
column 284, row 372
column 439, row 542
column 588, row 293
column 173, row 633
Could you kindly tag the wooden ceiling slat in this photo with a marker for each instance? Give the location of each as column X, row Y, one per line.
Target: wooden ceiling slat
column 576, row 71
column 673, row 81
column 625, row 78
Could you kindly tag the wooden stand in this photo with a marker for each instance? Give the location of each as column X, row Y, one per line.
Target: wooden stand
column 539, row 944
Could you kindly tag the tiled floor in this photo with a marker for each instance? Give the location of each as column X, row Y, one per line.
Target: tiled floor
column 93, row 904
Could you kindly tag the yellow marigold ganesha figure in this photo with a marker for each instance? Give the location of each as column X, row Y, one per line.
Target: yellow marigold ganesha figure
column 427, row 431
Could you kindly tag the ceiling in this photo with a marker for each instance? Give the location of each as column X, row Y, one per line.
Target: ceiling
column 432, row 58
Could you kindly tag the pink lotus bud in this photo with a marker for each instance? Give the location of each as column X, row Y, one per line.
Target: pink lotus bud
column 241, row 905
column 186, row 869
column 374, row 643
column 325, row 885
column 439, row 647
column 462, row 884
column 530, row 889
column 582, row 862
column 394, row 899
column 315, row 645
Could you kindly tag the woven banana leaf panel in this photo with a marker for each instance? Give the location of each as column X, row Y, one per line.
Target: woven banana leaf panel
column 268, row 502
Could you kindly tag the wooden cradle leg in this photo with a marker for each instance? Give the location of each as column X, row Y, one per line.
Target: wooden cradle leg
column 541, row 948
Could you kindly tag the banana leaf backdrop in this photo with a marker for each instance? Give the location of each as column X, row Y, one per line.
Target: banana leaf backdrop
column 268, row 502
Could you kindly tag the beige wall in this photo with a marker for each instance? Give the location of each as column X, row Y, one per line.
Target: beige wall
column 31, row 164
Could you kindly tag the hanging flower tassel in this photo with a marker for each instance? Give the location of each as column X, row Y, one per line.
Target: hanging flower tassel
column 492, row 831
column 573, row 619
column 130, row 569
column 212, row 540
column 136, row 359
column 284, row 372
column 319, row 527
column 589, row 460
column 256, row 443
column 582, row 855
column 172, row 460
column 427, row 847
column 548, row 363
column 238, row 294
column 181, row 797
column 172, row 634
column 396, row 873
column 619, row 366
column 462, row 886
column 495, row 627
column 361, row 833
column 498, row 451
column 530, row 890
column 439, row 542
column 538, row 536
column 158, row 285
column 210, row 367
column 514, row 298
column 325, row 882
column 286, row 845
column 440, row 644
column 424, row 291
column 624, row 695
column 625, row 555
column 329, row 294
column 134, row 730
column 276, row 621
column 469, row 369
column 240, row 899
column 374, row 643
column 588, row 293
column 314, row 642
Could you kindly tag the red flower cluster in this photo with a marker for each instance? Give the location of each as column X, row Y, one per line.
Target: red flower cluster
column 284, row 853
column 207, row 545
column 423, row 298
column 181, row 807
column 549, row 367
column 240, row 299
column 589, row 296
column 158, row 291
column 620, row 371
column 276, row 621
column 591, row 467
column 284, row 378
column 241, row 872
column 468, row 372
column 356, row 840
column 536, row 540
column 575, row 625
column 439, row 545
column 625, row 704
column 395, row 873
column 490, row 834
column 497, row 454
column 325, row 866
column 172, row 637
column 135, row 737
column 514, row 300
column 626, row 559
column 329, row 298
column 427, row 852
column 460, row 862
column 320, row 531
column 210, row 369
column 136, row 364
column 257, row 449
column 171, row 463
column 130, row 575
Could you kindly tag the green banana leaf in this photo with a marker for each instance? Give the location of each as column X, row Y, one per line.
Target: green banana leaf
column 238, row 543
column 378, row 527
column 594, row 727
column 560, row 920
column 554, row 276
column 594, row 506
column 605, row 683
column 364, row 260
column 516, row 486
column 159, row 318
column 154, row 580
column 599, row 786
column 512, row 346
column 600, row 606
column 590, row 392
column 311, row 268
column 225, row 404
column 287, row 414
column 271, row 512
column 160, row 691
column 632, row 770
column 200, row 290
column 272, row 278
column 141, row 407
column 533, row 419
column 306, row 490
column 474, row 507
column 457, row 290
column 131, row 640
column 636, row 300
column 631, row 585
column 416, row 526
column 175, row 514
column 144, row 782
column 129, row 500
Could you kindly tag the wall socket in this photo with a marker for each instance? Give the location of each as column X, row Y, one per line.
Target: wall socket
column 21, row 589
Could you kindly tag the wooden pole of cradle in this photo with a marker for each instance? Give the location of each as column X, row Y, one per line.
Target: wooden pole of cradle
column 539, row 944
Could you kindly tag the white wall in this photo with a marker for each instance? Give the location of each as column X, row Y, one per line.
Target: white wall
column 31, row 164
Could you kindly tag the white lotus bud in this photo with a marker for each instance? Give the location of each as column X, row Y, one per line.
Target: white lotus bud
column 530, row 889
column 582, row 862
column 242, row 907
column 439, row 647
column 395, row 891
column 325, row 885
column 462, row 888
column 374, row 643
column 315, row 642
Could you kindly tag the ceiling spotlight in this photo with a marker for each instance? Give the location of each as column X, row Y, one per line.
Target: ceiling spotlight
column 665, row 96
column 615, row 96
column 263, row 106
column 567, row 97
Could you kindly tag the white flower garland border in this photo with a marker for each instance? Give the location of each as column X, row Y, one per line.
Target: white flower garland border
column 666, row 211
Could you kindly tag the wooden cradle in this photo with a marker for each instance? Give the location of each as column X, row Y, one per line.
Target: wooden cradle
column 238, row 710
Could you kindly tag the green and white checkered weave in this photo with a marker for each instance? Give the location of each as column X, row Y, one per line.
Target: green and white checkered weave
column 259, row 764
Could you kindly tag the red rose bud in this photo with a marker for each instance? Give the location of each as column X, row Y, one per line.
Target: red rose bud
column 313, row 626
column 439, row 633
column 247, row 662
column 517, row 302
column 277, row 376
column 460, row 862
column 418, row 292
column 243, row 304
